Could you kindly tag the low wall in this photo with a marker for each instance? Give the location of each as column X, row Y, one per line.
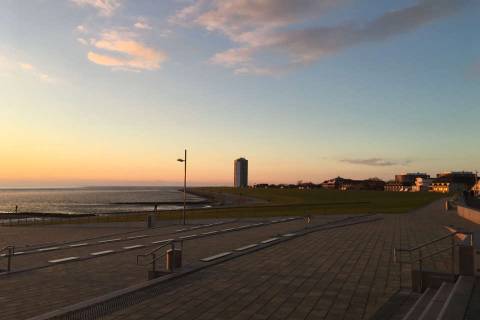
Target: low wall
column 469, row 213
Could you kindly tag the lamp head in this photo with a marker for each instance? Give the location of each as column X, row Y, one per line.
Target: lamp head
column 180, row 160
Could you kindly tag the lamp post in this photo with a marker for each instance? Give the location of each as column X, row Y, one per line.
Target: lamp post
column 184, row 160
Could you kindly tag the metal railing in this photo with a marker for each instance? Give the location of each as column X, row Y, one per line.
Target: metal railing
column 421, row 258
column 9, row 252
column 11, row 220
column 155, row 255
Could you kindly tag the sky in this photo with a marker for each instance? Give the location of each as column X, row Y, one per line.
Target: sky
column 110, row 92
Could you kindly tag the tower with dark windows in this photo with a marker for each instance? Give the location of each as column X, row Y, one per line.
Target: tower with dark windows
column 240, row 175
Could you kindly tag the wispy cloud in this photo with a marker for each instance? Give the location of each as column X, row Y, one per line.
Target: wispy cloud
column 233, row 57
column 34, row 71
column 142, row 23
column 81, row 29
column 375, row 162
column 26, row 66
column 82, row 41
column 284, row 27
column 122, row 50
column 104, row 7
column 11, row 66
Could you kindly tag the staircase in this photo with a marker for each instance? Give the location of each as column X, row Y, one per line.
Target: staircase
column 437, row 295
column 448, row 302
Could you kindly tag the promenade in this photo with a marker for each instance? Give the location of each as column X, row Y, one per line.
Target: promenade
column 341, row 273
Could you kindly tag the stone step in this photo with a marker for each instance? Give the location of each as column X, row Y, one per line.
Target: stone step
column 397, row 306
column 420, row 305
column 436, row 303
column 457, row 303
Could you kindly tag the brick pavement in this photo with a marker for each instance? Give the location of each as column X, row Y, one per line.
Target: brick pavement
column 343, row 273
column 27, row 294
column 21, row 236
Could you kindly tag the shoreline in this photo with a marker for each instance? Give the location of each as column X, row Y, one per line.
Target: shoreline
column 204, row 202
column 221, row 199
column 209, row 200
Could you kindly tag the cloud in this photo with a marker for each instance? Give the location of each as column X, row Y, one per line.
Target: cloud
column 290, row 30
column 143, row 24
column 82, row 41
column 11, row 66
column 34, row 71
column 233, row 57
column 165, row 33
column 122, row 50
column 375, row 162
column 81, row 29
column 238, row 16
column 26, row 66
column 104, row 7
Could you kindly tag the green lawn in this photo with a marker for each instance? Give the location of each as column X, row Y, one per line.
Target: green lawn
column 321, row 201
column 292, row 202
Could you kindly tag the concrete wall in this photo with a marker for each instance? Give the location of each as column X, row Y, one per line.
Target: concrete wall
column 469, row 214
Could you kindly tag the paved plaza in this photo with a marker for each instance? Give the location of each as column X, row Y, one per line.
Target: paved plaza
column 341, row 273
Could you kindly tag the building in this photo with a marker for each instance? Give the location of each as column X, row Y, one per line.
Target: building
column 422, row 184
column 350, row 184
column 476, row 189
column 410, row 178
column 462, row 177
column 393, row 186
column 334, row 183
column 445, row 186
column 455, row 181
column 240, row 175
column 409, row 182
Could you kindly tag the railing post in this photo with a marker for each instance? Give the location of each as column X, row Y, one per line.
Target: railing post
column 453, row 256
column 11, row 251
column 411, row 267
column 420, row 268
column 173, row 256
column 154, row 262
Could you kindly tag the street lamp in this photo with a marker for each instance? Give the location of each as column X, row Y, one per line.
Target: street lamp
column 184, row 160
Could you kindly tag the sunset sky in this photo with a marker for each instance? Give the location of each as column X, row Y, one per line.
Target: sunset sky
column 110, row 92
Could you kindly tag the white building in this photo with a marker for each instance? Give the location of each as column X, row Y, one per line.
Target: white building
column 422, row 184
column 476, row 189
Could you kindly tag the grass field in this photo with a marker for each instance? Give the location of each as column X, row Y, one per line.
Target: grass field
column 291, row 202
column 321, row 201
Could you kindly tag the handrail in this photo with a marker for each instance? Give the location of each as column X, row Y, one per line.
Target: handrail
column 435, row 253
column 154, row 256
column 434, row 241
column 153, row 251
column 423, row 258
column 10, row 253
column 6, row 248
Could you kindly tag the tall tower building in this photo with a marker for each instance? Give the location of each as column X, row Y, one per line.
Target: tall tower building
column 240, row 175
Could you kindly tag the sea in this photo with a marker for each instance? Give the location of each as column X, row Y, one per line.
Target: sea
column 93, row 200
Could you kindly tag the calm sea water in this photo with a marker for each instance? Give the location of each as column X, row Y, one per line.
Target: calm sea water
column 89, row 200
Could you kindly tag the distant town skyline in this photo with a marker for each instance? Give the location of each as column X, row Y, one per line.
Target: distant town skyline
column 110, row 92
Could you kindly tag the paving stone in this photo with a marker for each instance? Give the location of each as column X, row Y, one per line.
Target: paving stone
column 344, row 273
